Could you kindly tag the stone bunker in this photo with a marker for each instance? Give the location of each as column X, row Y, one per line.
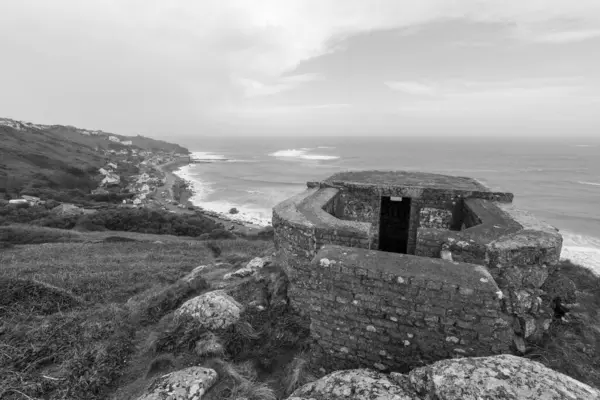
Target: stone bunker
column 398, row 269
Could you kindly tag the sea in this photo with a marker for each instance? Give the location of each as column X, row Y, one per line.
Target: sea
column 557, row 180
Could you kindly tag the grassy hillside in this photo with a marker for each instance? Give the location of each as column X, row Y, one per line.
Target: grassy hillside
column 60, row 157
column 92, row 320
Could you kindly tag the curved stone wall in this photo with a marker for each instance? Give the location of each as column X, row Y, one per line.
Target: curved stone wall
column 475, row 230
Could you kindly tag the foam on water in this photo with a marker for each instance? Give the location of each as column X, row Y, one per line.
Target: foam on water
column 207, row 156
column 302, row 153
column 581, row 249
column 589, row 183
column 201, row 189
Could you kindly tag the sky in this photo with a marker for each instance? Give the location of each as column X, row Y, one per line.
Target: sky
column 484, row 68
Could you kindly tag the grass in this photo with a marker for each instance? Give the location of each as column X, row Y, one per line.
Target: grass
column 29, row 234
column 95, row 320
column 91, row 319
column 104, row 272
column 572, row 345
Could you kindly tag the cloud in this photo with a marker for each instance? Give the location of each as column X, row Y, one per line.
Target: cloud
column 517, row 98
column 184, row 62
column 568, row 36
column 413, row 88
column 254, row 88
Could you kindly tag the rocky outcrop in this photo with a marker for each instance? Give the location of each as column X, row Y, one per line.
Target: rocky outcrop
column 357, row 384
column 186, row 384
column 254, row 265
column 500, row 377
column 503, row 377
column 212, row 310
column 67, row 209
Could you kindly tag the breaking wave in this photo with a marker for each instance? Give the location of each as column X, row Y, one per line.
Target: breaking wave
column 589, row 183
column 582, row 250
column 302, row 153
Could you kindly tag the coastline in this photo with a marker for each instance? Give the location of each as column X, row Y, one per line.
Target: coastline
column 172, row 175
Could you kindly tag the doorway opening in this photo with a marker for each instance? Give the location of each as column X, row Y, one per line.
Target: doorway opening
column 394, row 223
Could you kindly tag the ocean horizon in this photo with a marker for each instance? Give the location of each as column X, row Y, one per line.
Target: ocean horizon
column 557, row 180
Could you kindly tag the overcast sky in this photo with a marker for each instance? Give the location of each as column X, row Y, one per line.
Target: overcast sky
column 360, row 67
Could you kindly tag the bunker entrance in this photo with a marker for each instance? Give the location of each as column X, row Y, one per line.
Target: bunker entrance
column 393, row 224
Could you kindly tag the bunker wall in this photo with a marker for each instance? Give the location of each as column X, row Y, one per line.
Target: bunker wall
column 393, row 311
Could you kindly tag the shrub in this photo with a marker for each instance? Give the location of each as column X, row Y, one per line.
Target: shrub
column 296, row 374
column 28, row 234
column 86, row 350
column 36, row 297
column 572, row 344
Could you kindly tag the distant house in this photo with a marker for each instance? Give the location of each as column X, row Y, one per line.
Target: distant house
column 114, row 139
column 111, row 179
column 100, row 191
column 127, row 142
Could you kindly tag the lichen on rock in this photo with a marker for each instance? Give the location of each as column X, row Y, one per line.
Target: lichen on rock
column 253, row 265
column 356, row 384
column 186, row 384
column 212, row 310
column 505, row 377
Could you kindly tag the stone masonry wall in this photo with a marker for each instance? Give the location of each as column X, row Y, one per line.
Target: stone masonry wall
column 394, row 311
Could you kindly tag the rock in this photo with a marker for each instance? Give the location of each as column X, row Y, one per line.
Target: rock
column 356, row 384
column 561, row 289
column 212, row 310
column 254, row 265
column 195, row 276
column 186, row 384
column 520, row 344
column 505, row 377
column 67, row 209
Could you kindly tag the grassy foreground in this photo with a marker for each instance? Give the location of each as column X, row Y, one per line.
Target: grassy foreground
column 93, row 319
column 89, row 315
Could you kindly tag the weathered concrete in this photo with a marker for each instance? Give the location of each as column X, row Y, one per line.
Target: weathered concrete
column 455, row 218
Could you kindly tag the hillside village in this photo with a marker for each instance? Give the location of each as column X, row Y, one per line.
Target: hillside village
column 126, row 168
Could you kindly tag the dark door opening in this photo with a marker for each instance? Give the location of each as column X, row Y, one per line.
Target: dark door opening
column 393, row 224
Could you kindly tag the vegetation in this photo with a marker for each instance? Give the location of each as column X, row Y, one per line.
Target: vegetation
column 572, row 345
column 141, row 220
column 92, row 320
column 49, row 160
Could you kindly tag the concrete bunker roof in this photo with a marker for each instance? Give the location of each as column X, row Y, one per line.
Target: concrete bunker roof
column 422, row 180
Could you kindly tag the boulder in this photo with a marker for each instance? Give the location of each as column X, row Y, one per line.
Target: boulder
column 195, row 274
column 505, row 377
column 212, row 310
column 186, row 384
column 254, row 265
column 66, row 209
column 561, row 289
column 355, row 384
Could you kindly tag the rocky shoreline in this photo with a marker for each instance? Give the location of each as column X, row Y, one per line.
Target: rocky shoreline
column 187, row 191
